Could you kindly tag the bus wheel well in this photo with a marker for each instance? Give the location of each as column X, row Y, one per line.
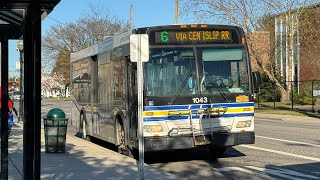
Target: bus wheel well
column 82, row 117
column 119, row 120
column 119, row 129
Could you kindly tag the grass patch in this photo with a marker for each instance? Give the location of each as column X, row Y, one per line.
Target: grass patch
column 280, row 112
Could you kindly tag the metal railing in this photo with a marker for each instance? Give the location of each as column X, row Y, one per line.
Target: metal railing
column 304, row 96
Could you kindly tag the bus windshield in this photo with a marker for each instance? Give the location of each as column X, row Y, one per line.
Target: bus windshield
column 173, row 71
column 169, row 70
column 223, row 70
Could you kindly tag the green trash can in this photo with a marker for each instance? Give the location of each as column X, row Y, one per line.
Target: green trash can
column 55, row 130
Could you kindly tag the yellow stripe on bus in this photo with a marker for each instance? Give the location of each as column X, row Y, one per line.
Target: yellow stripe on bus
column 186, row 112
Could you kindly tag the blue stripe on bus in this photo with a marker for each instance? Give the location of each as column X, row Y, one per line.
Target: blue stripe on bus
column 149, row 119
column 184, row 107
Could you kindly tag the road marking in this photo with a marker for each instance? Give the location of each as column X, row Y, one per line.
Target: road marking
column 288, row 174
column 284, row 173
column 283, row 153
column 226, row 169
column 283, row 140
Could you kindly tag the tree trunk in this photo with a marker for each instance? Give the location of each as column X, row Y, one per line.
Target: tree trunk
column 285, row 95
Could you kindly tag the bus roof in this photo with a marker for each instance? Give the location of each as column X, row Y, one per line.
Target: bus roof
column 144, row 30
column 103, row 46
column 124, row 38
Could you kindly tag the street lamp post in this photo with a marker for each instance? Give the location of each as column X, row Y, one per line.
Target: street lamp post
column 20, row 49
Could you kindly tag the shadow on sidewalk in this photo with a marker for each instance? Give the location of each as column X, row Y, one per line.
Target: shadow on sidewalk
column 82, row 160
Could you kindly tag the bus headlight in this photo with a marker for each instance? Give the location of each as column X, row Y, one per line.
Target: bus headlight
column 152, row 128
column 243, row 124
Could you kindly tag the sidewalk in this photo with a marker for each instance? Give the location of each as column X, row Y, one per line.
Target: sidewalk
column 287, row 118
column 82, row 160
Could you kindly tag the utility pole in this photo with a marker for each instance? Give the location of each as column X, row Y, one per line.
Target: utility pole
column 176, row 16
column 131, row 23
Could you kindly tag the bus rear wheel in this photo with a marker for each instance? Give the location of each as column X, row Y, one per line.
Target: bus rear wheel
column 122, row 148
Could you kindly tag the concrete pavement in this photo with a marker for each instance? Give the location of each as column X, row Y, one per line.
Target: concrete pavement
column 82, row 160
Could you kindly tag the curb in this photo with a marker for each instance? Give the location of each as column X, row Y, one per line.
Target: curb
column 285, row 117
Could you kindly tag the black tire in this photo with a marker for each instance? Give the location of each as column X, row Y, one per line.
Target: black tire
column 122, row 147
column 83, row 127
column 133, row 153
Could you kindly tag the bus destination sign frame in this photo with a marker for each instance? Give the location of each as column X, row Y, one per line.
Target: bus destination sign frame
column 191, row 36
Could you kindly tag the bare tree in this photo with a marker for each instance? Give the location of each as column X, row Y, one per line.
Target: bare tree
column 63, row 39
column 252, row 15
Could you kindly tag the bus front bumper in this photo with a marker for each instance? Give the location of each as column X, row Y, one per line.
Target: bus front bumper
column 187, row 142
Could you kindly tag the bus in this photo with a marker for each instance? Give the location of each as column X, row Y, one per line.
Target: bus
column 198, row 89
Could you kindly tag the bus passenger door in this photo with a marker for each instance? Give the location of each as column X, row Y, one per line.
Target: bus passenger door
column 105, row 100
column 132, row 100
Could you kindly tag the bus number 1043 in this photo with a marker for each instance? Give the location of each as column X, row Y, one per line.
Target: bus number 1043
column 200, row 100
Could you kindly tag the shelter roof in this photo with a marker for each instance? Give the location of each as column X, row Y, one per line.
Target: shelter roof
column 12, row 15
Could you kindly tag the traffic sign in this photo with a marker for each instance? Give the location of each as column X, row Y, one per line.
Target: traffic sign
column 139, row 47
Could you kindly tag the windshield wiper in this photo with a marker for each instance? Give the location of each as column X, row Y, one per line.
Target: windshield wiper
column 180, row 89
column 216, row 89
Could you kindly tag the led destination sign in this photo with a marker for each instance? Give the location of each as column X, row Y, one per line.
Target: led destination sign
column 192, row 37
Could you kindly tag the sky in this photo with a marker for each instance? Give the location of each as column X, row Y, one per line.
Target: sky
column 145, row 13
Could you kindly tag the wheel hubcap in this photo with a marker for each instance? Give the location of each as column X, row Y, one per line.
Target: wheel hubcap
column 84, row 129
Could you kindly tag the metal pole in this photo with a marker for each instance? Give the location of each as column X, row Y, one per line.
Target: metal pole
column 4, row 108
column 32, row 95
column 274, row 95
column 312, row 96
column 28, row 123
column 37, row 91
column 21, row 86
column 131, row 21
column 259, row 98
column 176, row 12
column 291, row 97
column 140, row 115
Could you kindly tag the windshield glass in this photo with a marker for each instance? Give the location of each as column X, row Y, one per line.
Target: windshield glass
column 223, row 70
column 170, row 72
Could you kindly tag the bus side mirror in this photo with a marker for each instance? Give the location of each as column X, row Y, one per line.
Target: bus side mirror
column 256, row 79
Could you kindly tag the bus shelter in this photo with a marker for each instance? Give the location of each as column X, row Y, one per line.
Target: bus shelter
column 22, row 19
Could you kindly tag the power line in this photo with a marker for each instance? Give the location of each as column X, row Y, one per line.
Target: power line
column 56, row 20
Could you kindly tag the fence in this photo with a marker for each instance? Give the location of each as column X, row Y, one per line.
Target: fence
column 304, row 96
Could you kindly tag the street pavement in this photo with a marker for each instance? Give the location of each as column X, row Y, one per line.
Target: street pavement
column 287, row 147
column 284, row 149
